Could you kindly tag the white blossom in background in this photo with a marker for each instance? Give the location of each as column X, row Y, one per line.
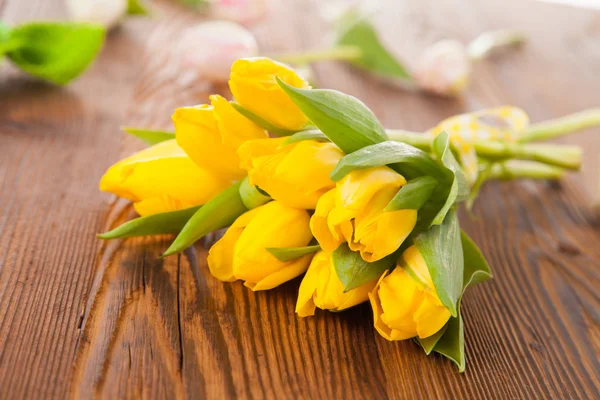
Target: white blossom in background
column 208, row 50
column 241, row 11
column 107, row 13
column 444, row 68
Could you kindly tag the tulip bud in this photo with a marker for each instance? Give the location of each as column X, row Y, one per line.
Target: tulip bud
column 405, row 303
column 353, row 212
column 161, row 178
column 211, row 134
column 241, row 253
column 254, row 86
column 283, row 171
column 209, row 49
column 444, row 68
column 322, row 288
column 107, row 13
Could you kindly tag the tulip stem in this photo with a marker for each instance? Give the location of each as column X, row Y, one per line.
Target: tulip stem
column 415, row 139
column 551, row 154
column 348, row 53
column 525, row 169
column 561, row 126
column 483, row 45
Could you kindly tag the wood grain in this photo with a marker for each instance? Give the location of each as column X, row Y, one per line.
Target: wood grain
column 82, row 318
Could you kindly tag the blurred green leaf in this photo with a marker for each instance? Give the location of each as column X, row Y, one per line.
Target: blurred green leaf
column 150, row 137
column 285, row 254
column 353, row 271
column 356, row 30
column 344, row 119
column 156, row 224
column 55, row 51
column 137, row 7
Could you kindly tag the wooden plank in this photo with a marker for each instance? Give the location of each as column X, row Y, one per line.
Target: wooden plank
column 85, row 319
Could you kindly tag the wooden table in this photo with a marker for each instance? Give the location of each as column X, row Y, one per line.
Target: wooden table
column 84, row 318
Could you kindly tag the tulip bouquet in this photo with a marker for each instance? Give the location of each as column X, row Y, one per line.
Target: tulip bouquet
column 364, row 213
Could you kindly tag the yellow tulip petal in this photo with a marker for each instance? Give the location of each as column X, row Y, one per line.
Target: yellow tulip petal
column 282, row 171
column 161, row 170
column 198, row 134
column 431, row 317
column 289, row 271
column 235, row 129
column 220, row 255
column 254, row 86
column 253, row 150
column 319, row 225
column 160, row 204
column 305, row 306
column 274, row 225
column 358, row 187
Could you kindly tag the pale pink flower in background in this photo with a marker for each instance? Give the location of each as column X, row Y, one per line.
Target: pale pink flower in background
column 444, row 68
column 242, row 11
column 107, row 13
column 208, row 50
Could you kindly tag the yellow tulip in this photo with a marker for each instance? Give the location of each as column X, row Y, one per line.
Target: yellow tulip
column 405, row 303
column 253, row 85
column 353, row 212
column 211, row 135
column 322, row 288
column 241, row 253
column 296, row 174
column 161, row 178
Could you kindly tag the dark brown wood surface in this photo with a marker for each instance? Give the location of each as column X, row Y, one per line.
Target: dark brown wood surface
column 83, row 318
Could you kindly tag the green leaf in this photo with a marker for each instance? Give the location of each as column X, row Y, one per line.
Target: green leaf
column 450, row 342
column 251, row 195
column 219, row 212
column 459, row 187
column 476, row 268
column 149, row 136
column 429, row 343
column 312, row 134
column 356, row 30
column 156, row 224
column 137, row 7
column 353, row 271
column 55, row 51
column 442, row 251
column 196, row 3
column 403, row 158
column 285, row 254
column 266, row 125
column 413, row 195
column 344, row 119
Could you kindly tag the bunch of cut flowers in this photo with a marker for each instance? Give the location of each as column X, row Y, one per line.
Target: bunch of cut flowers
column 308, row 182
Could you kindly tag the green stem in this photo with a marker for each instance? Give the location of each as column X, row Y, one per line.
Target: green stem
column 484, row 44
column 347, row 53
column 552, row 154
column 525, row 169
column 415, row 139
column 561, row 126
